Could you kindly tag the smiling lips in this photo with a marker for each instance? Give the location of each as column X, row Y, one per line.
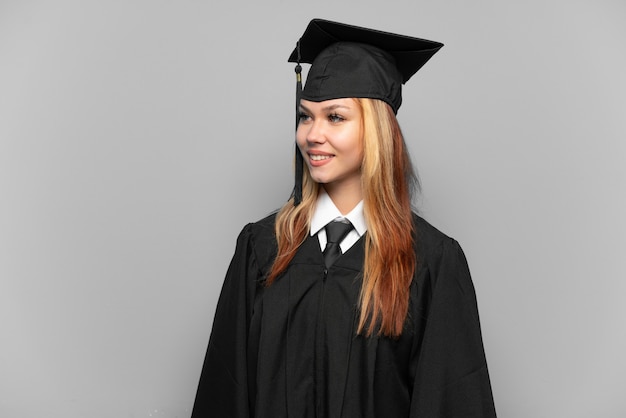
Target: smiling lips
column 317, row 160
column 317, row 157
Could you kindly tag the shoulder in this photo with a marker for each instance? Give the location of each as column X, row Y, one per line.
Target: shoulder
column 260, row 240
column 261, row 229
column 433, row 246
column 429, row 236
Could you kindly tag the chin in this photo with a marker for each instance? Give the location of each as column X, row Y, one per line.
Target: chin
column 322, row 180
column 319, row 179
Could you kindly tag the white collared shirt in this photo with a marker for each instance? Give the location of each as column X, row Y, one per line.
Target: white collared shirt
column 326, row 211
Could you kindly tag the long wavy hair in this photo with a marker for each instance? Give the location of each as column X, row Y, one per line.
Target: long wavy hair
column 387, row 181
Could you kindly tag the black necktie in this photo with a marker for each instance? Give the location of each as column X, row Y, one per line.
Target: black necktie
column 336, row 231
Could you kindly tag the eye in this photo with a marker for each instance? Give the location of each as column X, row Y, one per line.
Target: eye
column 335, row 118
column 303, row 117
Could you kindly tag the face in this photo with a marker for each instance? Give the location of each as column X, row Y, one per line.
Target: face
column 330, row 137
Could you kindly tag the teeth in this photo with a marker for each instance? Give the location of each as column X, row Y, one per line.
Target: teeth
column 319, row 157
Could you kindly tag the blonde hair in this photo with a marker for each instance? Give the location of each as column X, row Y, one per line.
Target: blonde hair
column 387, row 178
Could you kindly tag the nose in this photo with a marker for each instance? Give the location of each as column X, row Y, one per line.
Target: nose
column 314, row 132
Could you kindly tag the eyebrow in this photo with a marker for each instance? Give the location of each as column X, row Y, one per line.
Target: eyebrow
column 326, row 108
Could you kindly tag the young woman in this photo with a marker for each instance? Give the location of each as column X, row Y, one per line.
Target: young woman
column 345, row 303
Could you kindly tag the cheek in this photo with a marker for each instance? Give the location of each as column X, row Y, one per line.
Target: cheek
column 300, row 137
column 357, row 147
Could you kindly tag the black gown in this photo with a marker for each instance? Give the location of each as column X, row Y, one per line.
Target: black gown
column 291, row 349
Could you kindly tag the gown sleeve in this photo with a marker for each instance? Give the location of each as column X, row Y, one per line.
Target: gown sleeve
column 451, row 379
column 223, row 386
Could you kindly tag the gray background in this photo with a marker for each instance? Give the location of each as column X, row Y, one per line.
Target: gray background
column 138, row 137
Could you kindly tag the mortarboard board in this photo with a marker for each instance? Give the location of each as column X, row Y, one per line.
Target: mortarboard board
column 352, row 61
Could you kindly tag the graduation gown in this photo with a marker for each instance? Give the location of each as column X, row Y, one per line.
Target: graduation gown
column 291, row 349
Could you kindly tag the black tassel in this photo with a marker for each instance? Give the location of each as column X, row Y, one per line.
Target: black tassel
column 297, row 188
column 298, row 92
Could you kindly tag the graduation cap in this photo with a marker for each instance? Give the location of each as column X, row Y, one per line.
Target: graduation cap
column 352, row 61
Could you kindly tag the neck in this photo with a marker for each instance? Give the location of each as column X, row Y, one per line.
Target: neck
column 345, row 197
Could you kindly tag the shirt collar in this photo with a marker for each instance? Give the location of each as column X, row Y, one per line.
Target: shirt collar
column 326, row 211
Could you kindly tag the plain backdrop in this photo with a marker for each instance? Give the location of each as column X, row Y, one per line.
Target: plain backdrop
column 138, row 137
